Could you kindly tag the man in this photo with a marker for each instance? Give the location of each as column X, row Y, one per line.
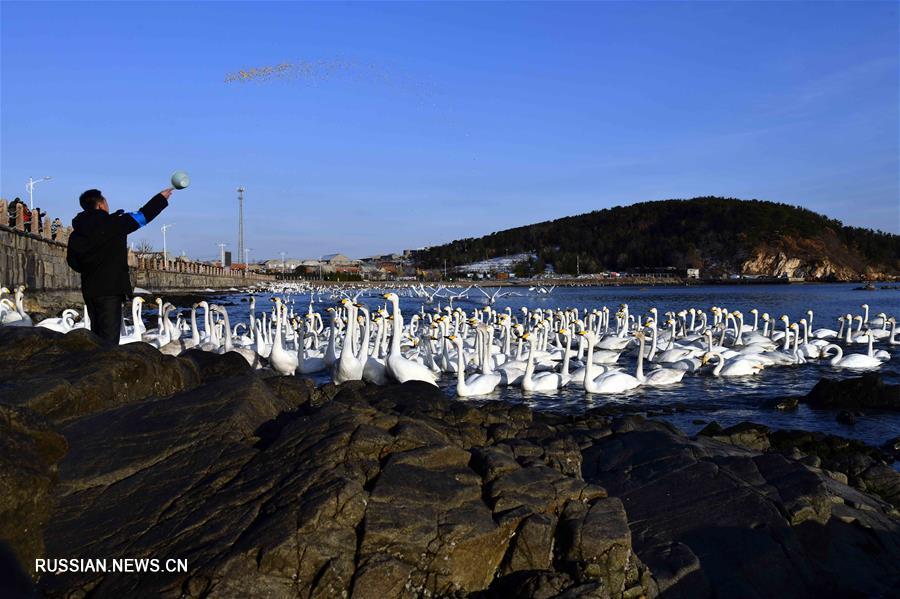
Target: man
column 98, row 249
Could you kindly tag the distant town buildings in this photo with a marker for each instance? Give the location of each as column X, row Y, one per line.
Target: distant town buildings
column 340, row 266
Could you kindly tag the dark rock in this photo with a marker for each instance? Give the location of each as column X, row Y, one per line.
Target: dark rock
column 29, row 452
column 67, row 376
column 891, row 448
column 211, row 366
column 532, row 546
column 745, row 434
column 271, row 488
column 867, row 391
column 739, row 513
column 846, row 417
column 785, row 404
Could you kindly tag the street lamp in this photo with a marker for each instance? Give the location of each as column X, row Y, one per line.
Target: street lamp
column 241, row 191
column 222, row 254
column 282, row 263
column 165, row 251
column 30, row 187
column 247, row 258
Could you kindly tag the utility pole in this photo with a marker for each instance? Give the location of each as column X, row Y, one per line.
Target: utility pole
column 247, row 258
column 165, row 250
column 222, row 254
column 30, row 187
column 577, row 265
column 445, row 269
column 240, row 191
column 282, row 262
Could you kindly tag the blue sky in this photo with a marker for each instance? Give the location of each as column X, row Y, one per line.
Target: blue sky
column 411, row 124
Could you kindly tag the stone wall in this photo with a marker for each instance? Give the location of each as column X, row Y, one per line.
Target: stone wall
column 37, row 259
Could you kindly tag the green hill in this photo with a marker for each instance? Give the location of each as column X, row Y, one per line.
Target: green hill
column 717, row 235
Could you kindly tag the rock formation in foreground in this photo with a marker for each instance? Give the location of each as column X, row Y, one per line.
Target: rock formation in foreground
column 270, row 487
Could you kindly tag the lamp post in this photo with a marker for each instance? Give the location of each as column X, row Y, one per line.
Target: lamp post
column 282, row 263
column 30, row 187
column 164, row 228
column 247, row 257
column 222, row 254
column 240, row 191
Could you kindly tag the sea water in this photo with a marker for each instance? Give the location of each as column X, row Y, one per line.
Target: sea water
column 700, row 397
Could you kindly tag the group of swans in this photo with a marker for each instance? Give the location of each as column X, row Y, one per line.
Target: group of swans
column 540, row 350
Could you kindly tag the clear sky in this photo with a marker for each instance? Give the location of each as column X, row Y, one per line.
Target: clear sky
column 402, row 125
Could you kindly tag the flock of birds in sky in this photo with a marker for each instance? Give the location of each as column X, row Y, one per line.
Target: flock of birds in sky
column 537, row 349
column 330, row 70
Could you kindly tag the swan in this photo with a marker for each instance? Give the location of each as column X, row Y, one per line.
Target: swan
column 545, row 381
column 252, row 358
column 63, row 324
column 734, row 367
column 134, row 335
column 476, row 384
column 850, row 361
column 348, row 367
column 612, row 381
column 655, row 378
column 375, row 369
column 283, row 361
column 17, row 317
column 400, row 368
column 307, row 364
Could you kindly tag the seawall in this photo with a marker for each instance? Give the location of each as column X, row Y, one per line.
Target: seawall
column 37, row 259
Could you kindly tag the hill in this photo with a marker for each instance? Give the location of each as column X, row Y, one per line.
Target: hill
column 718, row 235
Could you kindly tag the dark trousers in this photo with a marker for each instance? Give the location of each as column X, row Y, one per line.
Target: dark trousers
column 105, row 313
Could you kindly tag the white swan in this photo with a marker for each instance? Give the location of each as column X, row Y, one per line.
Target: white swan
column 734, row 367
column 543, row 382
column 400, row 368
column 282, row 361
column 476, row 384
column 850, row 361
column 612, row 381
column 659, row 377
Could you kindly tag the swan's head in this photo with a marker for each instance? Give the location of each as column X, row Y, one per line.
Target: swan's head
column 864, row 306
column 390, row 296
column 784, row 318
column 754, row 311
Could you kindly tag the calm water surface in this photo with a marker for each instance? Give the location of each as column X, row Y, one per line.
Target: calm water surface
column 700, row 398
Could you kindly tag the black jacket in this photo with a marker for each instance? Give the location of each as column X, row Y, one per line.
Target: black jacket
column 98, row 247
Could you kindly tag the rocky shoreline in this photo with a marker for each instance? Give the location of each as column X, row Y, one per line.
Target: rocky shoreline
column 271, row 487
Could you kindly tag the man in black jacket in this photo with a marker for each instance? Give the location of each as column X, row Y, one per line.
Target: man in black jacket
column 98, row 249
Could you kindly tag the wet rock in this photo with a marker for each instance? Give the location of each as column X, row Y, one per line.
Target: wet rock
column 29, row 452
column 784, row 404
column 745, row 434
column 532, row 546
column 846, row 417
column 891, row 448
column 597, row 543
column 67, row 376
column 271, row 488
column 210, row 366
column 739, row 512
column 867, row 391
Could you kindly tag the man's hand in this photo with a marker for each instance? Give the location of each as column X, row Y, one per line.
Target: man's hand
column 166, row 192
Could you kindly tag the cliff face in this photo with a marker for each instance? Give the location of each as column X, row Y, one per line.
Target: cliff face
column 821, row 258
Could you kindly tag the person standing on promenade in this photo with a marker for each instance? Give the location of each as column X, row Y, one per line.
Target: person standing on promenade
column 98, row 250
